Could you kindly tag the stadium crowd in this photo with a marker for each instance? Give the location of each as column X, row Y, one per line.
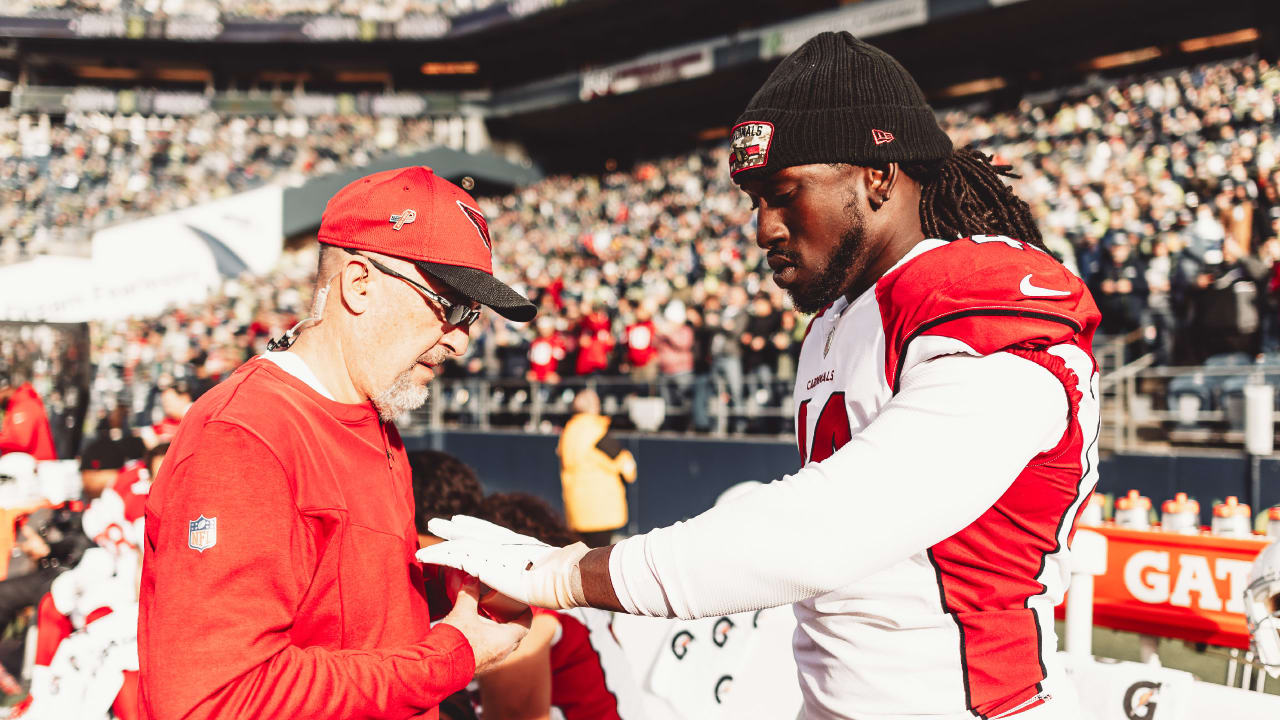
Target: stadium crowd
column 60, row 181
column 390, row 11
column 1162, row 193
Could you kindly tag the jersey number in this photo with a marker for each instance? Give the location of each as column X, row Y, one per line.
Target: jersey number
column 830, row 433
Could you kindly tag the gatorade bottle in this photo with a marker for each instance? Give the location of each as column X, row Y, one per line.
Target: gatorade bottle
column 1133, row 511
column 1231, row 519
column 1092, row 514
column 1273, row 522
column 1180, row 515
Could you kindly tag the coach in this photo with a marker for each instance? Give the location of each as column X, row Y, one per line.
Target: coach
column 279, row 577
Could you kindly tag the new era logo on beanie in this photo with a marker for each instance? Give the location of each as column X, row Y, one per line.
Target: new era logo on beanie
column 413, row 214
column 835, row 99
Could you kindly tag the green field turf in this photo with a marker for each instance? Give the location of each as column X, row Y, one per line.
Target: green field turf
column 1207, row 665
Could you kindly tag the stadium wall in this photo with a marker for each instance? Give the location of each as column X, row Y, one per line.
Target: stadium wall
column 680, row 477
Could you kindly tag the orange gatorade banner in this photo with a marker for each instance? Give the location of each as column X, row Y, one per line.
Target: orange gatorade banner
column 1177, row 586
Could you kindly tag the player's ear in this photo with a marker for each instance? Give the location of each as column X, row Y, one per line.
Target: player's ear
column 355, row 286
column 881, row 182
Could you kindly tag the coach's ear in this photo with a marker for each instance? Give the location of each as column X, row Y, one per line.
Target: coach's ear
column 355, row 285
column 881, row 182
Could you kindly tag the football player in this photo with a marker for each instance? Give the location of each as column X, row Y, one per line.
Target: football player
column 948, row 367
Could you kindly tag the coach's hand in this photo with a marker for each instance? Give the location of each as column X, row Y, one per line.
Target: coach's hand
column 518, row 566
column 490, row 641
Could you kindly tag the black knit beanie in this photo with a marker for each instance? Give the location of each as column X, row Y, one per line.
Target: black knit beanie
column 835, row 99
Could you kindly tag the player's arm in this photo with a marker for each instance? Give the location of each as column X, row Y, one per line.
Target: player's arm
column 216, row 640
column 942, row 451
column 519, row 688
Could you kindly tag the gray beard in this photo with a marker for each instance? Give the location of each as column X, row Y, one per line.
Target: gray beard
column 403, row 395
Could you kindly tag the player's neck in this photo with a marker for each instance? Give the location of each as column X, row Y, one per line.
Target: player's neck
column 892, row 229
column 891, row 252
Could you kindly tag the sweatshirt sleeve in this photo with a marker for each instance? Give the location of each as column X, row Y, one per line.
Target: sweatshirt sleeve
column 215, row 641
column 950, row 443
column 19, row 429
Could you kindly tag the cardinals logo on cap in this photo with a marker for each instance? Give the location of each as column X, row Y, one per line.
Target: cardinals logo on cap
column 477, row 219
column 749, row 146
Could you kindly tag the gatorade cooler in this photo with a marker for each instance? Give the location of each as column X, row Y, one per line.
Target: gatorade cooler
column 1133, row 511
column 1180, row 515
column 1092, row 513
column 1273, row 523
column 1231, row 519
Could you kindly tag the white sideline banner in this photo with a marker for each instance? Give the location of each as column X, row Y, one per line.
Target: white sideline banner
column 145, row 266
column 250, row 224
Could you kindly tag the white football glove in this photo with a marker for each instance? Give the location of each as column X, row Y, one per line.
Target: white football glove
column 518, row 566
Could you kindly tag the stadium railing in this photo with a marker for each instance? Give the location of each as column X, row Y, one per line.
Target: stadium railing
column 1144, row 406
column 680, row 404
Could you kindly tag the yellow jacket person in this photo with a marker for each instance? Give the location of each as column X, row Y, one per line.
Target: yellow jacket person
column 593, row 467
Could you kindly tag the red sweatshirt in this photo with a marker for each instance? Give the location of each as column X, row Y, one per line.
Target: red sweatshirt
column 279, row 577
column 26, row 425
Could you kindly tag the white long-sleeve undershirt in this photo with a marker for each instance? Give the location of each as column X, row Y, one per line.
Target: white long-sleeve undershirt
column 939, row 454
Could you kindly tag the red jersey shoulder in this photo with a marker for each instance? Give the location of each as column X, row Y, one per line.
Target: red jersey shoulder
column 989, row 292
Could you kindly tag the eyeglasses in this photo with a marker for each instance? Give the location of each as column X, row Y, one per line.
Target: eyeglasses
column 455, row 315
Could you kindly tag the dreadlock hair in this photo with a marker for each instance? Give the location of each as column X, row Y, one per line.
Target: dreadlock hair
column 963, row 196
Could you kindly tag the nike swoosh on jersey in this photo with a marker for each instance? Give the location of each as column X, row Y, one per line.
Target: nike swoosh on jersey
column 1026, row 288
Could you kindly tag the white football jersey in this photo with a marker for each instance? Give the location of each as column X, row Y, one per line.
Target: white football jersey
column 965, row 628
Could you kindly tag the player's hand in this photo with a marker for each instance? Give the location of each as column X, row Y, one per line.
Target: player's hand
column 518, row 566
column 491, row 642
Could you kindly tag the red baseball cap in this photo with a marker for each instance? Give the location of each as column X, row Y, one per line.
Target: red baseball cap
column 414, row 214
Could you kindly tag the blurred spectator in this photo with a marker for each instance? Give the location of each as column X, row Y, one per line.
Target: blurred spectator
column 726, row 344
column 595, row 341
column 100, row 463
column 1269, row 255
column 593, row 469
column 26, row 425
column 1225, row 304
column 54, row 541
column 1089, row 258
column 1161, row 318
column 759, row 344
column 545, row 353
column 675, row 347
column 1120, row 287
column 787, row 341
column 176, row 398
column 113, row 429
column 701, row 351
column 641, row 350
